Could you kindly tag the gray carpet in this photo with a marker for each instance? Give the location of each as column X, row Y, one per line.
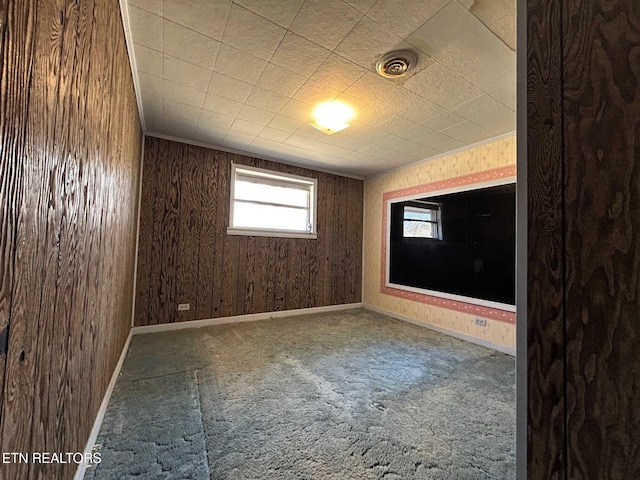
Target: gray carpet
column 345, row 395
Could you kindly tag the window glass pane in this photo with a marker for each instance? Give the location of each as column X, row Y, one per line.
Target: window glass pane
column 418, row 229
column 419, row 214
column 252, row 215
column 252, row 191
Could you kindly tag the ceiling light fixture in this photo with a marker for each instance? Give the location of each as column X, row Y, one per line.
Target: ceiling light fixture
column 331, row 117
column 395, row 64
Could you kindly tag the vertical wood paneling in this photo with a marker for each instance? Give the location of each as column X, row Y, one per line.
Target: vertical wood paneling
column 338, row 293
column 317, row 277
column 71, row 140
column 327, row 238
column 601, row 94
column 206, row 249
column 190, row 225
column 145, row 240
column 238, row 274
column 222, row 209
column 546, row 446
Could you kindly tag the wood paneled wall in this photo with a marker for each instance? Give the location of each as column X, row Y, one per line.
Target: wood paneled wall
column 186, row 256
column 70, row 147
column 583, row 113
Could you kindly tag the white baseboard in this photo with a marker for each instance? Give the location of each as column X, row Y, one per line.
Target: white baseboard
column 446, row 331
column 251, row 317
column 82, row 467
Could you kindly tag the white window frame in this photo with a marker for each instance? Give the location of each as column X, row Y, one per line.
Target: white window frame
column 434, row 293
column 278, row 177
column 436, row 208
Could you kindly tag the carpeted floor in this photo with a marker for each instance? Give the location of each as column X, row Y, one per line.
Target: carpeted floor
column 343, row 395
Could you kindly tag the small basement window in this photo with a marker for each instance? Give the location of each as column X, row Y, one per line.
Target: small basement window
column 424, row 221
column 268, row 203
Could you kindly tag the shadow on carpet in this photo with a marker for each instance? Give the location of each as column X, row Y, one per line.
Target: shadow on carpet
column 345, row 395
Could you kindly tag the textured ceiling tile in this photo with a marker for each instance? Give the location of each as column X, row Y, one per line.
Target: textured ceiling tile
column 273, row 134
column 498, row 121
column 152, row 6
column 280, row 80
column 299, row 55
column 186, row 73
column 237, row 140
column 190, row 46
column 468, row 133
column 251, row 33
column 296, row 109
column 476, row 106
column 367, row 42
column 228, row 87
column 212, row 119
column 281, row 13
column 305, row 143
column 286, row 124
column 419, row 109
column 314, row 93
column 179, row 129
column 205, row 16
column 180, row 111
column 368, row 134
column 436, row 140
column 442, row 121
column 218, row 104
column 181, row 94
column 374, row 115
column 363, row 6
column 400, row 127
column 345, row 140
column 248, row 128
column 325, row 22
column 403, row 18
column 505, row 28
column 146, row 28
column 338, row 72
column 359, row 105
column 148, row 60
column 150, row 85
column 376, row 90
column 266, row 100
column 209, row 135
column 240, row 65
column 152, row 106
column 489, row 11
column 458, row 40
column 443, row 87
column 255, row 115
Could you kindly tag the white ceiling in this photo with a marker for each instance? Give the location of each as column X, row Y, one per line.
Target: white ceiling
column 245, row 75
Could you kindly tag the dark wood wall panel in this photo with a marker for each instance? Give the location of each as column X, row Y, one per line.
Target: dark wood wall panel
column 70, row 147
column 545, row 287
column 602, row 184
column 186, row 256
column 583, row 172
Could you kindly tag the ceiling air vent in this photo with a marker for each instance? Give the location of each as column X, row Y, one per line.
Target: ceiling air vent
column 395, row 64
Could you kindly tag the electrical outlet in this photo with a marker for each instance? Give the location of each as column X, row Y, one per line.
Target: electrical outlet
column 480, row 321
column 183, row 306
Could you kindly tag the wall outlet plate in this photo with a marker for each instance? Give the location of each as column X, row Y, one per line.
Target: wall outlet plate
column 480, row 321
column 183, row 306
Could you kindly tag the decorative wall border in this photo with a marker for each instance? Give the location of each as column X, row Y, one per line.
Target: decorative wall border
column 450, row 183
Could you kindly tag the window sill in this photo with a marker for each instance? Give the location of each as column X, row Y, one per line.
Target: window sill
column 270, row 233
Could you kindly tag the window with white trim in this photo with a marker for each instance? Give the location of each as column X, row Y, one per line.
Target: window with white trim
column 422, row 221
column 270, row 203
